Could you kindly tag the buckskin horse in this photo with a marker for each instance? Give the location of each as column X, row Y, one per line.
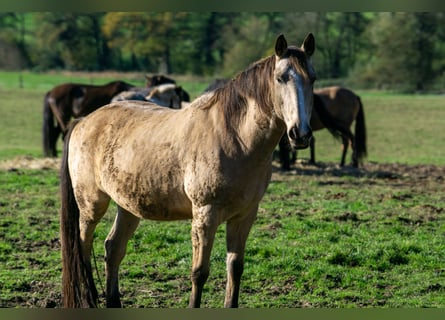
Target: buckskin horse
column 73, row 100
column 210, row 162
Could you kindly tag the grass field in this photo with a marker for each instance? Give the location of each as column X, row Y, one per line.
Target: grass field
column 324, row 237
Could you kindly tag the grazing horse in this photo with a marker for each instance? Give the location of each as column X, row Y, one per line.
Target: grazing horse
column 335, row 108
column 166, row 95
column 210, row 162
column 73, row 100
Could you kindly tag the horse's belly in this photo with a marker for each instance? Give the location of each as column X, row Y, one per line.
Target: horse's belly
column 155, row 207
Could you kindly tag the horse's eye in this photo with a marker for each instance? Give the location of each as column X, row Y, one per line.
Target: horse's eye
column 283, row 78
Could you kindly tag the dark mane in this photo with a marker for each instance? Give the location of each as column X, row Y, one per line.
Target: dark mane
column 253, row 83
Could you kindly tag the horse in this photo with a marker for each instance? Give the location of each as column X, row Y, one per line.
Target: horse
column 345, row 106
column 335, row 108
column 159, row 79
column 166, row 95
column 210, row 162
column 69, row 100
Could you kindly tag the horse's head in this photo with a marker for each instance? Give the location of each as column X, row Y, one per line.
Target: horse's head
column 293, row 81
column 166, row 95
column 119, row 86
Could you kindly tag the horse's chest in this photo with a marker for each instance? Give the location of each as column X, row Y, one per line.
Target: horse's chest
column 230, row 189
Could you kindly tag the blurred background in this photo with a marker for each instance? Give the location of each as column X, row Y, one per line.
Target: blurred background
column 403, row 52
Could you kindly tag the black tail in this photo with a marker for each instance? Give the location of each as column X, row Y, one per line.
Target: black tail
column 49, row 130
column 335, row 127
column 360, row 133
column 79, row 290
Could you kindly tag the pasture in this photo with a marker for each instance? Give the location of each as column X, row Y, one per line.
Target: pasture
column 324, row 237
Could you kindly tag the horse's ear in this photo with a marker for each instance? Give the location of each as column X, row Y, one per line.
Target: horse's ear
column 280, row 45
column 309, row 44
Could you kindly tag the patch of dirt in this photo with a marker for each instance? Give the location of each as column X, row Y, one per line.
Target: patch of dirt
column 28, row 162
column 390, row 172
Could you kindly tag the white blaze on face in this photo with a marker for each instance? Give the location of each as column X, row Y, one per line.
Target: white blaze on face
column 303, row 116
column 295, row 112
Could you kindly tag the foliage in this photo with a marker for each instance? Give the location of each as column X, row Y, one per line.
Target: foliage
column 403, row 51
column 403, row 47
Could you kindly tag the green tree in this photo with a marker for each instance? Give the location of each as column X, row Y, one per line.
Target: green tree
column 403, row 51
column 249, row 38
column 13, row 53
column 69, row 40
column 339, row 39
column 146, row 38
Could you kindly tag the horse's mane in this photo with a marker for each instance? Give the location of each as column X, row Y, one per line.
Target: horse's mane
column 253, row 83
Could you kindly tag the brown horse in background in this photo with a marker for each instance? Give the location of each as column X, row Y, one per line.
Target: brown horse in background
column 346, row 107
column 210, row 162
column 69, row 100
column 335, row 108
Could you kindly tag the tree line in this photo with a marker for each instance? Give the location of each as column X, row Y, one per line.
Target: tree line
column 385, row 50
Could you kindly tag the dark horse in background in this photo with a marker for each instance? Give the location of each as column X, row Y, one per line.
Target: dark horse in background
column 335, row 108
column 159, row 79
column 69, row 100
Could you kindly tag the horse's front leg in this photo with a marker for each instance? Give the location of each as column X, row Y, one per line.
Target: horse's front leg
column 236, row 237
column 115, row 248
column 204, row 225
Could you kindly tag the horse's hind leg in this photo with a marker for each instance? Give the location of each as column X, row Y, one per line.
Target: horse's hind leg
column 354, row 153
column 116, row 246
column 236, row 236
column 91, row 212
column 204, row 227
column 345, row 143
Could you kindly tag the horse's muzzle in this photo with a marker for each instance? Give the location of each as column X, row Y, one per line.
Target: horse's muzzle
column 299, row 141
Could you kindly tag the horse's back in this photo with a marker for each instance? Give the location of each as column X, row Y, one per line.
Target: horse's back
column 341, row 102
column 156, row 162
column 124, row 150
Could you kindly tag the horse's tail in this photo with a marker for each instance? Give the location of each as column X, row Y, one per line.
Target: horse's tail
column 360, row 132
column 335, row 127
column 79, row 290
column 47, row 128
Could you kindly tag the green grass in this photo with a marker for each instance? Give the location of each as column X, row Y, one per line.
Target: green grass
column 324, row 237
column 400, row 128
column 319, row 241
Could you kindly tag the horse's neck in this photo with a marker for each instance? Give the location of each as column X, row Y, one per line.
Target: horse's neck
column 258, row 133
